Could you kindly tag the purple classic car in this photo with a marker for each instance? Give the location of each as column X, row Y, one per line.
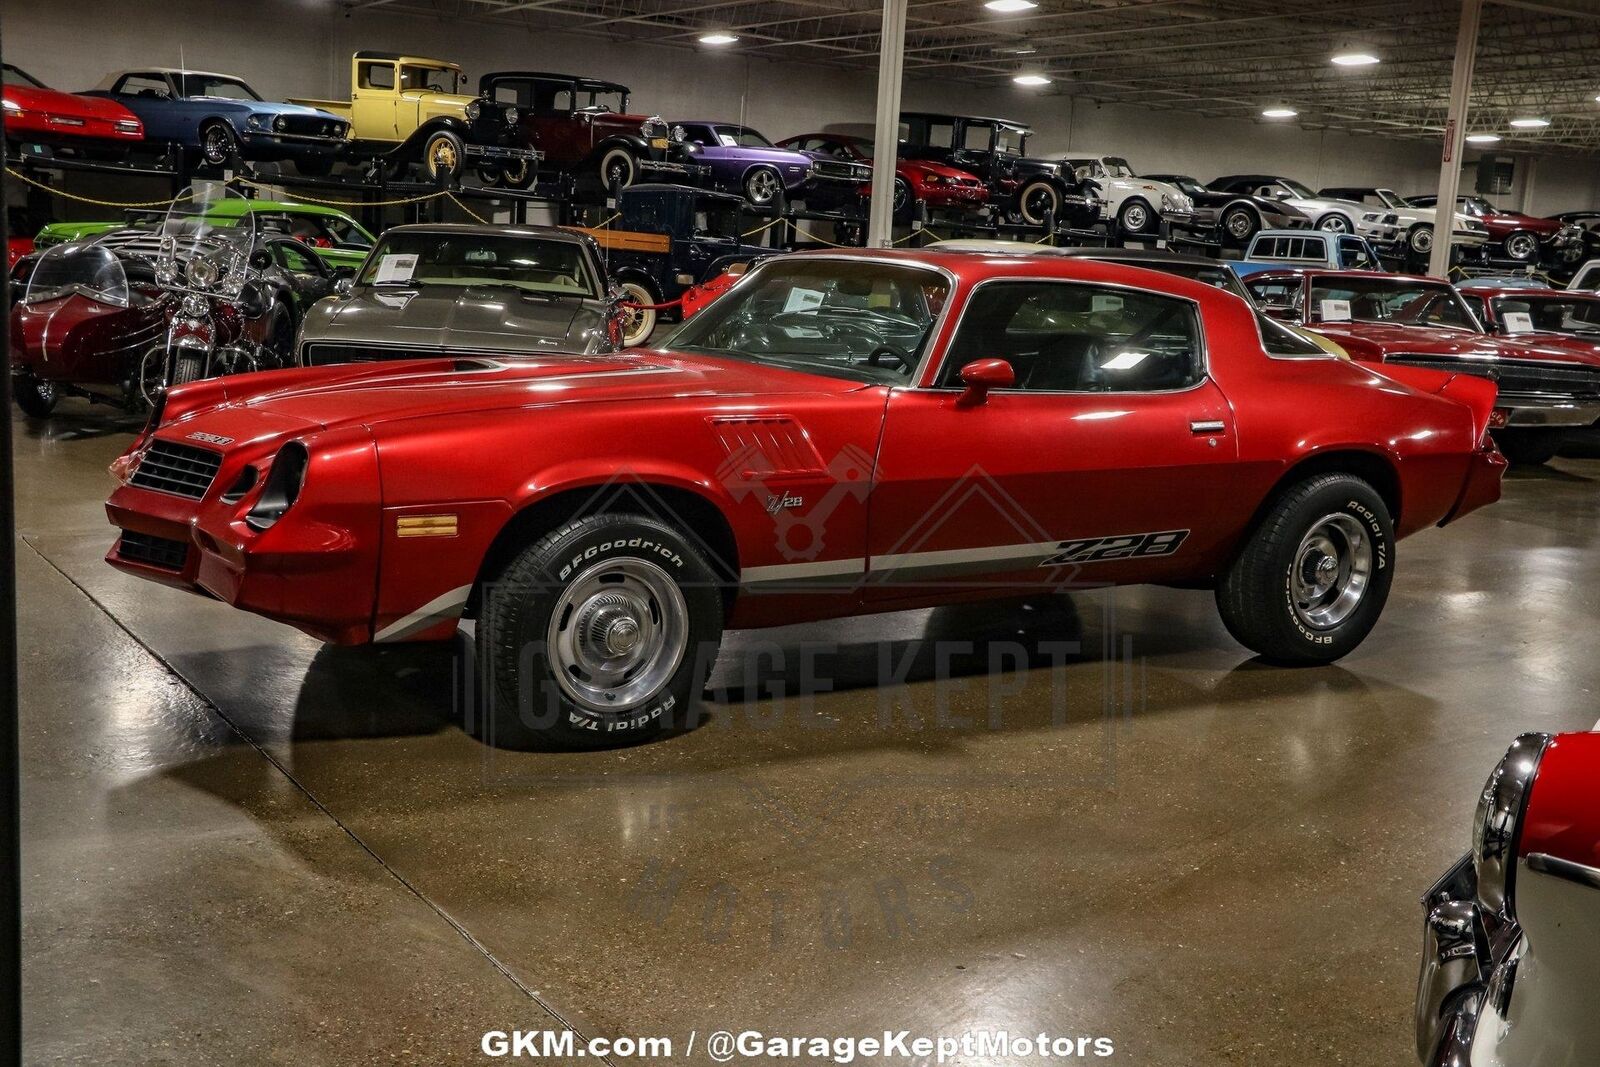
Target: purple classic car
column 742, row 160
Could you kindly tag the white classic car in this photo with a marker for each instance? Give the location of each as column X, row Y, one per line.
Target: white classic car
column 1416, row 223
column 1139, row 205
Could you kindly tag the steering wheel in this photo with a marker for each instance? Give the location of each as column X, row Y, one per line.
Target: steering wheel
column 900, row 356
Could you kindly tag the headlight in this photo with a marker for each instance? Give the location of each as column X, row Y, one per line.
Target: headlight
column 1498, row 824
column 511, row 114
column 653, row 127
column 280, row 123
column 254, row 122
column 284, row 482
column 679, row 133
column 474, row 109
column 931, row 178
column 203, row 273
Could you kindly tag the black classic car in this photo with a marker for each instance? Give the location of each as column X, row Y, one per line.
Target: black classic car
column 1238, row 216
column 585, row 130
column 1023, row 187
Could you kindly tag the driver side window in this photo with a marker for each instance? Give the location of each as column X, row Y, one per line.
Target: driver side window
column 153, row 86
column 1070, row 337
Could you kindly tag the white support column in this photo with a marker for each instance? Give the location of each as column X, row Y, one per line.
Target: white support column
column 1455, row 129
column 886, row 134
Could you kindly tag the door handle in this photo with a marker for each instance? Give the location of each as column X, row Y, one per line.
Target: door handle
column 1207, row 426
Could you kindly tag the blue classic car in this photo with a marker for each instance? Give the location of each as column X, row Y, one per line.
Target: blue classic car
column 217, row 117
column 743, row 161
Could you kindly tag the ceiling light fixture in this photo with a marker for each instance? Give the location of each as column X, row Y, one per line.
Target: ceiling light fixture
column 1031, row 79
column 1355, row 59
column 1482, row 138
column 1530, row 124
column 1279, row 113
column 1010, row 7
column 718, row 38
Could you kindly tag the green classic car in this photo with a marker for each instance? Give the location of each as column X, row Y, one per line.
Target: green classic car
column 337, row 238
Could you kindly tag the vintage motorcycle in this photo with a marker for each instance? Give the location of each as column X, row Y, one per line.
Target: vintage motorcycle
column 121, row 317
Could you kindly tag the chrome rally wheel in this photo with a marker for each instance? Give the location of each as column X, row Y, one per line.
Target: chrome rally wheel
column 617, row 634
column 762, row 185
column 1331, row 570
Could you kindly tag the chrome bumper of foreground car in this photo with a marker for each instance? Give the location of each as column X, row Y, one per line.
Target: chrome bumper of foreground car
column 1544, row 409
column 1456, row 962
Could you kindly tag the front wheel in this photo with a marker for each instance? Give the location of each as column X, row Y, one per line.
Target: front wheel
column 516, row 174
column 618, row 169
column 1420, row 239
column 1240, row 224
column 188, row 368
column 637, row 322
column 602, row 632
column 1522, row 247
column 1313, row 576
column 1135, row 217
column 1038, row 201
column 1334, row 224
column 218, row 145
column 1529, row 448
column 37, row 398
column 762, row 186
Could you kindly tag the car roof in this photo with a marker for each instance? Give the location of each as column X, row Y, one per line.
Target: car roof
column 545, row 75
column 115, row 75
column 973, row 268
column 1230, row 178
column 1012, row 123
column 406, row 55
column 1492, row 289
column 1302, row 271
column 1304, row 233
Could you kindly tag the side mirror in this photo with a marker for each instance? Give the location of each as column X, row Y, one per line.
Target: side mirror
column 344, row 285
column 982, row 375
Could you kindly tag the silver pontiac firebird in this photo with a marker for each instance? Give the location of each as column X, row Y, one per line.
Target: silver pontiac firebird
column 434, row 289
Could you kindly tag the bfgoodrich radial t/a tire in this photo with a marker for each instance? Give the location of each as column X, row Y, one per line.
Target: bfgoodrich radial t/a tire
column 600, row 633
column 1313, row 577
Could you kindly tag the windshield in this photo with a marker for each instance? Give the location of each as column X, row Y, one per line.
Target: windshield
column 1297, row 189
column 1117, row 168
column 1575, row 315
column 1188, row 185
column 433, row 79
column 217, row 86
column 853, row 319
column 591, row 98
column 1008, row 142
column 13, row 76
column 1389, row 198
column 741, row 137
column 86, row 270
column 461, row 260
column 1401, row 301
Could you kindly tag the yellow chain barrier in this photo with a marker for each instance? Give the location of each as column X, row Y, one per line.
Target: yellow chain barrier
column 763, row 228
column 467, row 209
column 52, row 190
column 357, row 203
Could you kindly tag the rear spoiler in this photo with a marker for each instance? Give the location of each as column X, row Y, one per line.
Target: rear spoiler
column 1477, row 393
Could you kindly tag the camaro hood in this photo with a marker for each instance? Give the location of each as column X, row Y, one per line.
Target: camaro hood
column 467, row 318
column 372, row 393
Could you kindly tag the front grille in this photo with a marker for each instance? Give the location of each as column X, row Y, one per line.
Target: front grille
column 318, row 353
column 305, row 125
column 153, row 551
column 834, row 168
column 182, row 470
column 1515, row 376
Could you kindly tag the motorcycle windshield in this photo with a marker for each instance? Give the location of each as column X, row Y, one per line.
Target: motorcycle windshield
column 206, row 240
column 85, row 270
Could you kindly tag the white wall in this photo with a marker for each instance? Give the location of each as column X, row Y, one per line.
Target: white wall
column 302, row 48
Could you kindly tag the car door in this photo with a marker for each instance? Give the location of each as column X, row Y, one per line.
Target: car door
column 1111, row 458
column 374, row 103
column 152, row 96
column 1355, row 254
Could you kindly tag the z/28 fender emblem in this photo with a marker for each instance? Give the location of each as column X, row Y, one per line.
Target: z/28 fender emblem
column 1120, row 546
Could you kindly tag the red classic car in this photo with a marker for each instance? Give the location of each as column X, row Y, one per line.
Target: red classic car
column 1521, row 237
column 838, row 434
column 1546, row 390
column 1511, row 934
column 936, row 184
column 38, row 114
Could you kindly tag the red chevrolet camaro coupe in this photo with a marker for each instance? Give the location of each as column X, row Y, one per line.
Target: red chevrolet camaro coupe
column 838, row 434
column 1549, row 387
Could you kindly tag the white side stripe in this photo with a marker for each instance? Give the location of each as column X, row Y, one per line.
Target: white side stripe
column 444, row 606
column 791, row 572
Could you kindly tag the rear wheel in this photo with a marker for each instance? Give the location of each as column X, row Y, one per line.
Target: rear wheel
column 1529, row 448
column 1420, row 239
column 599, row 633
column 516, row 174
column 1522, row 247
column 1240, row 224
column 1038, row 201
column 36, row 398
column 1313, row 577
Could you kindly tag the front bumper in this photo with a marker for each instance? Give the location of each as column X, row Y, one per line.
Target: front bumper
column 500, row 151
column 1453, row 980
column 1544, row 409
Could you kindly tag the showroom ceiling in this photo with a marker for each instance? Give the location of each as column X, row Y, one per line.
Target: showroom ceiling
column 1537, row 59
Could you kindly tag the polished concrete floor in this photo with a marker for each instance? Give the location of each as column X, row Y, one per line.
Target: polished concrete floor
column 243, row 847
